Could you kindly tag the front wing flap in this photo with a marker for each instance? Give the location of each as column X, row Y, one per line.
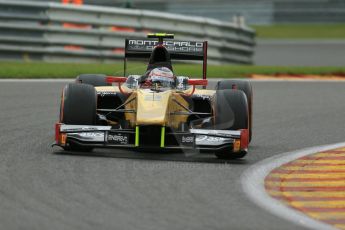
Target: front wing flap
column 105, row 136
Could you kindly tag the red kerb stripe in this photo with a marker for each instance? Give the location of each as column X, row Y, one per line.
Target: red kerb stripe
column 313, row 164
column 302, row 198
column 286, row 171
column 322, row 158
column 317, row 209
column 305, row 188
column 279, row 179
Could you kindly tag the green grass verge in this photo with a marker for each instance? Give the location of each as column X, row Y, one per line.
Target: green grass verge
column 310, row 31
column 53, row 70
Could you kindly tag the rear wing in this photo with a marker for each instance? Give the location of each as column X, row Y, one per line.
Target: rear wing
column 178, row 50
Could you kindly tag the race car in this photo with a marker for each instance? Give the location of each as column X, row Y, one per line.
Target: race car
column 157, row 110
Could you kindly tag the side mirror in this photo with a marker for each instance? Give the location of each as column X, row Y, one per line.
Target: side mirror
column 196, row 82
column 182, row 82
column 133, row 81
column 119, row 80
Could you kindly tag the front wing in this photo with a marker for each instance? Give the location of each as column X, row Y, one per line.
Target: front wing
column 106, row 137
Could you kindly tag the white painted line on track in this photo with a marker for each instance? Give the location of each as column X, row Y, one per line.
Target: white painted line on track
column 210, row 80
column 36, row 80
column 253, row 184
column 294, row 81
column 301, row 41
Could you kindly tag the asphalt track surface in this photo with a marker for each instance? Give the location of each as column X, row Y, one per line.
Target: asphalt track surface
column 300, row 52
column 42, row 188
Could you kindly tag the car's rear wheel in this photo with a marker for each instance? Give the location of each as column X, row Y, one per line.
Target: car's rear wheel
column 78, row 107
column 95, row 80
column 244, row 86
column 230, row 113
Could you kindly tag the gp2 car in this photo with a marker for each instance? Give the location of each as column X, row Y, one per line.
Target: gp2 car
column 157, row 110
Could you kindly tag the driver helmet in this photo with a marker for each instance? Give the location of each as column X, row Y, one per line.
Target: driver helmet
column 162, row 76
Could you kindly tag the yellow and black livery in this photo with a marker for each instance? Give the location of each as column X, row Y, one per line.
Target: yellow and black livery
column 100, row 111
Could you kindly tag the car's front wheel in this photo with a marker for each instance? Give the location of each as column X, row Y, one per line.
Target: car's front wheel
column 230, row 113
column 78, row 107
column 244, row 86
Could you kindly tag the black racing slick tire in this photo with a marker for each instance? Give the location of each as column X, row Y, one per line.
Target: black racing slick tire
column 230, row 113
column 78, row 107
column 95, row 80
column 244, row 86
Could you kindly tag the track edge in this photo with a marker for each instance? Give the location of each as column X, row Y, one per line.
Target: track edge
column 253, row 179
